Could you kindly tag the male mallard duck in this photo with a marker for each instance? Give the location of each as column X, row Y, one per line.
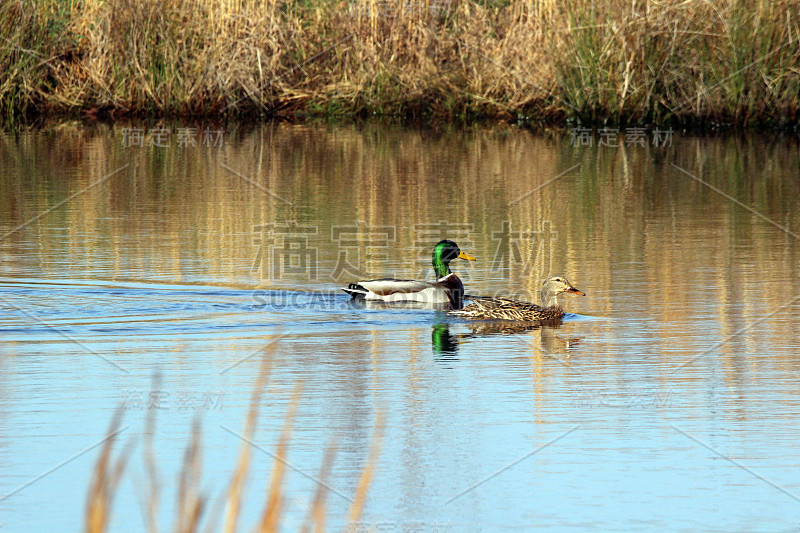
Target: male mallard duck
column 507, row 309
column 447, row 289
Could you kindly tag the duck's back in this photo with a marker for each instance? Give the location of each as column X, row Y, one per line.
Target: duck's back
column 507, row 309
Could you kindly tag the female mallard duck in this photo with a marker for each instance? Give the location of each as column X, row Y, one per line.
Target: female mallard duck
column 507, row 309
column 447, row 289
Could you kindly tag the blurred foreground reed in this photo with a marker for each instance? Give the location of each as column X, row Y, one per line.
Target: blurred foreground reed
column 193, row 512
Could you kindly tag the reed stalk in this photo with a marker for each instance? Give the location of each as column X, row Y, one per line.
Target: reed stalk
column 192, row 511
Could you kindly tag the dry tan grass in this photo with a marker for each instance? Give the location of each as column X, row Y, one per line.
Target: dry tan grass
column 616, row 60
column 192, row 511
column 105, row 480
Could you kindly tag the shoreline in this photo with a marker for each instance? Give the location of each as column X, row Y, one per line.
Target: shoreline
column 41, row 122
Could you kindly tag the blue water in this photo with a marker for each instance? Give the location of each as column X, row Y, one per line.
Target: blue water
column 666, row 400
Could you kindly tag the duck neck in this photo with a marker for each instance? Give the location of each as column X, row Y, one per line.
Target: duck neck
column 441, row 267
column 548, row 298
column 455, row 291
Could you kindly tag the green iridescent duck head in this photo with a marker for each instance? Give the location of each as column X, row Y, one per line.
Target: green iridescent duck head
column 444, row 252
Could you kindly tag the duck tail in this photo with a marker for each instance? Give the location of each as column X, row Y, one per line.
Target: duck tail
column 355, row 290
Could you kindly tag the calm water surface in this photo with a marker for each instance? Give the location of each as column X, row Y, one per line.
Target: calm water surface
column 668, row 400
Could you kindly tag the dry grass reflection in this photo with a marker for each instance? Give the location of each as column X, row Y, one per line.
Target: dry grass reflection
column 176, row 215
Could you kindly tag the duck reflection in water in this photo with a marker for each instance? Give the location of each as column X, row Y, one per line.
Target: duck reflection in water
column 445, row 344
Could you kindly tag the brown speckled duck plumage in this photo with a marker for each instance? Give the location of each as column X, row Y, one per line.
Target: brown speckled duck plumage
column 488, row 308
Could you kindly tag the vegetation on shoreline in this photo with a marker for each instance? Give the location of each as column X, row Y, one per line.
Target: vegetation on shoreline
column 691, row 61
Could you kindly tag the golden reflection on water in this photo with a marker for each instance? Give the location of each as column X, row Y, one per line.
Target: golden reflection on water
column 685, row 281
column 633, row 226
